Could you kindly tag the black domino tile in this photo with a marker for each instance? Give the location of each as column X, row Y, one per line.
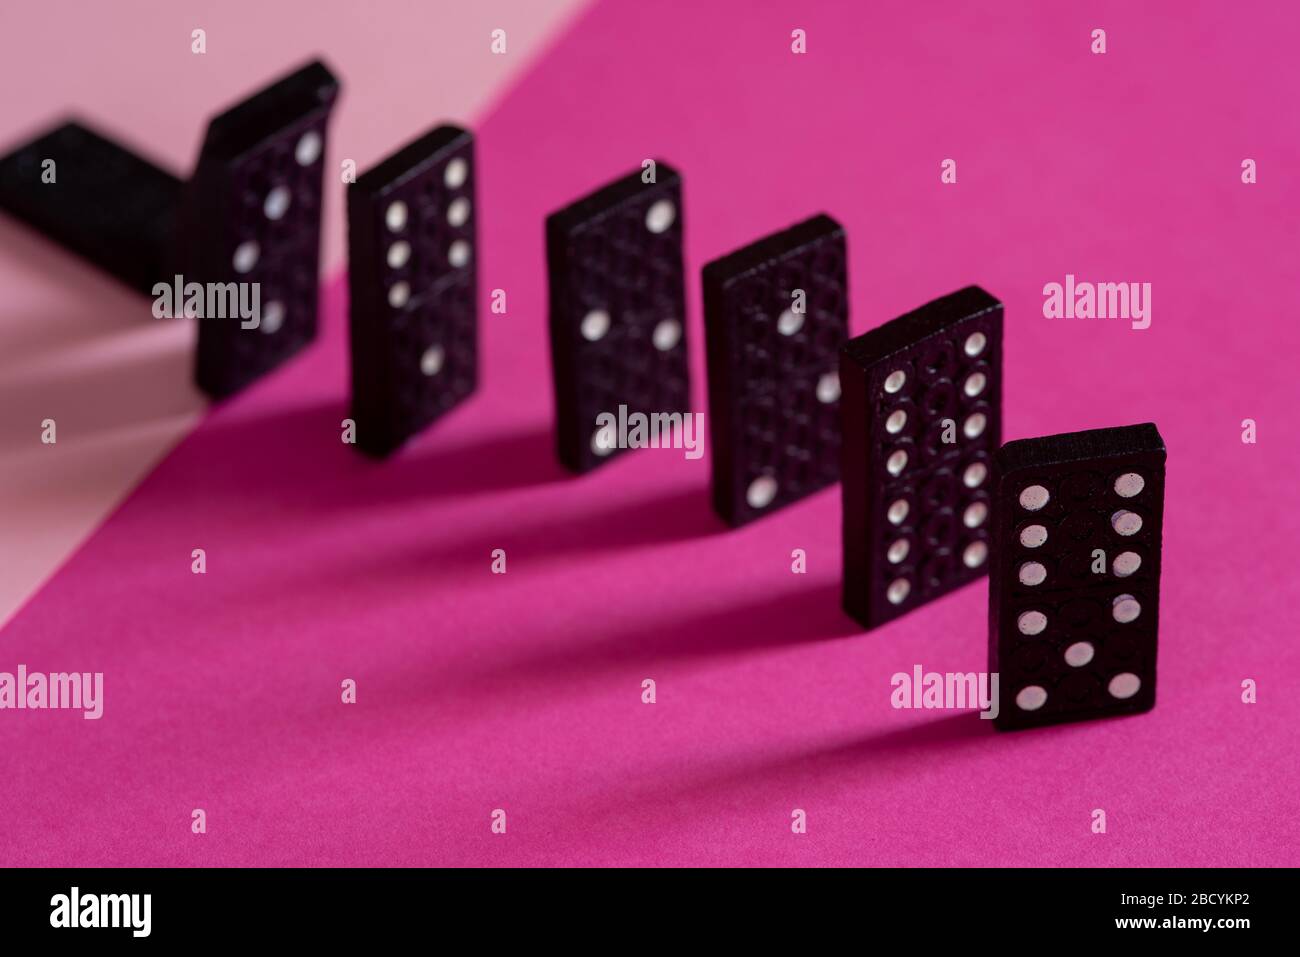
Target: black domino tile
column 106, row 203
column 412, row 266
column 1074, row 591
column 915, row 506
column 773, row 368
column 617, row 313
column 275, row 140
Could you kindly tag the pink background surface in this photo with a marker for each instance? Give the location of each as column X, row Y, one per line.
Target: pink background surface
column 478, row 691
column 73, row 346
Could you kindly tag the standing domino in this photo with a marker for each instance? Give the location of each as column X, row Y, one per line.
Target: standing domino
column 617, row 311
column 1074, row 594
column 922, row 417
column 775, row 314
column 412, row 279
column 252, row 215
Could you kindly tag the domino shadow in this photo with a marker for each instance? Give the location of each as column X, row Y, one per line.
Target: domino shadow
column 674, row 515
column 294, row 458
column 523, row 457
column 793, row 617
column 671, row 515
column 105, row 310
column 888, row 752
column 93, row 358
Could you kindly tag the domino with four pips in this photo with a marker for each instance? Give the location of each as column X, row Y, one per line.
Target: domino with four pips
column 617, row 311
column 775, row 316
column 252, row 214
column 249, row 214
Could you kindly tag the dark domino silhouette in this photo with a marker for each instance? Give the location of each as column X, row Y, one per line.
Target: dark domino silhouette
column 252, row 214
column 105, row 203
column 772, row 358
column 1074, row 587
column 922, row 409
column 617, row 311
column 412, row 255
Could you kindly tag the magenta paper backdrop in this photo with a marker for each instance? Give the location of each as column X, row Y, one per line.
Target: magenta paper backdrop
column 523, row 692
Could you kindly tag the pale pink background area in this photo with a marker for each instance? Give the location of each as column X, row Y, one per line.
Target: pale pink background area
column 522, row 692
column 78, row 348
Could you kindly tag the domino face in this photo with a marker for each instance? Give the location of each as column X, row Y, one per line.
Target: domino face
column 252, row 215
column 922, row 409
column 617, row 310
column 412, row 276
column 1074, row 594
column 104, row 203
column 774, row 387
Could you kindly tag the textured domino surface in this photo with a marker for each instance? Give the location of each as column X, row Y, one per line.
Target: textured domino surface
column 922, row 418
column 772, row 354
column 1074, row 591
column 105, row 203
column 413, row 291
column 253, row 214
column 617, row 310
